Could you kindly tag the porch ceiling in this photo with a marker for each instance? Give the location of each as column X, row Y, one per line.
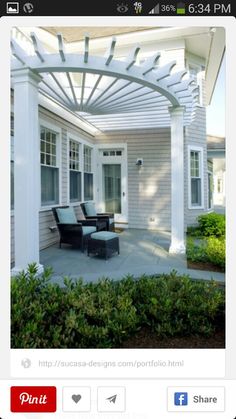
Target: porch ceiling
column 108, row 93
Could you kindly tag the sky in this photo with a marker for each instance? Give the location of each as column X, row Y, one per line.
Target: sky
column 216, row 110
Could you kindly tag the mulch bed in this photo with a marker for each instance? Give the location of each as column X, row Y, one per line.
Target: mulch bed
column 204, row 266
column 147, row 339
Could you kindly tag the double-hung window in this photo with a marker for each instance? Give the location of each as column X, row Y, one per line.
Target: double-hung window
column 75, row 172
column 49, row 167
column 88, row 175
column 196, row 177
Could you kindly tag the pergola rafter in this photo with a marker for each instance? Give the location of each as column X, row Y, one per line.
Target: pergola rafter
column 121, row 87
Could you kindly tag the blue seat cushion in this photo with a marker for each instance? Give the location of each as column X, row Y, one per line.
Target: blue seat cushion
column 66, row 215
column 104, row 235
column 88, row 230
column 90, row 209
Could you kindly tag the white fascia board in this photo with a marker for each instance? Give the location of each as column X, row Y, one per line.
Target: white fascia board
column 69, row 116
column 214, row 61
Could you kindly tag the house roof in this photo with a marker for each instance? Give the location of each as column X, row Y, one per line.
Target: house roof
column 215, row 143
column 108, row 93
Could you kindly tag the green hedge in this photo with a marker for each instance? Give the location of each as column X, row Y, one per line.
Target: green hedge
column 210, row 249
column 212, row 224
column 104, row 314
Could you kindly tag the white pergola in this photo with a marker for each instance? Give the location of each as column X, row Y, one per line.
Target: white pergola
column 109, row 94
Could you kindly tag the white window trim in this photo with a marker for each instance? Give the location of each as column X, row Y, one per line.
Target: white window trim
column 200, row 150
column 82, row 142
column 78, row 140
column 44, row 123
column 93, row 150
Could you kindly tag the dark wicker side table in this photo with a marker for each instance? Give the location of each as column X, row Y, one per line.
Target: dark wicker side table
column 103, row 243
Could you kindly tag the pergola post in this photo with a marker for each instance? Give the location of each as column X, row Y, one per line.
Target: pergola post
column 26, row 169
column 177, row 180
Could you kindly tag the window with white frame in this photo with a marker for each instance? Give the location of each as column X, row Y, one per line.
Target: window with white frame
column 196, row 177
column 75, row 172
column 49, row 167
column 210, row 183
column 88, row 175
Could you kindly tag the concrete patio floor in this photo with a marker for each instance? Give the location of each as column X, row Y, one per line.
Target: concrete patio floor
column 141, row 251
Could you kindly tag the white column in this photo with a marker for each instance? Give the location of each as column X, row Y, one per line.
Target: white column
column 26, row 169
column 177, row 180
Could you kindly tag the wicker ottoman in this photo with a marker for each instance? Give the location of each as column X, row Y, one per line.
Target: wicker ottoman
column 103, row 243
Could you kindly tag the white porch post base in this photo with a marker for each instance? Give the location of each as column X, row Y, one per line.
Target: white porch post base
column 16, row 270
column 178, row 248
column 177, row 245
column 26, row 169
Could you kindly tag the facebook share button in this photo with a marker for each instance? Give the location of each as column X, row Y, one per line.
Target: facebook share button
column 196, row 399
column 181, row 399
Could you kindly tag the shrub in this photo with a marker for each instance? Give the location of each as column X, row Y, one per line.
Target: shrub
column 196, row 252
column 103, row 315
column 215, row 251
column 212, row 250
column 212, row 224
column 173, row 305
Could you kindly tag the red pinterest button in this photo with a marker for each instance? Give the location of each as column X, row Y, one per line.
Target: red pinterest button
column 33, row 399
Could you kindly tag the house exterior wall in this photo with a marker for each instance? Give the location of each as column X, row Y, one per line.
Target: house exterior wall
column 48, row 236
column 148, row 186
column 46, row 219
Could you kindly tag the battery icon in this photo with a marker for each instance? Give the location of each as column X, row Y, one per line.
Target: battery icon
column 180, row 9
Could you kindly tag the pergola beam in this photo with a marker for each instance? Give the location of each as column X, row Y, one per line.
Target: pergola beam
column 113, row 93
column 38, row 48
column 82, row 91
column 93, row 90
column 72, row 89
column 18, row 52
column 150, row 63
column 86, row 48
column 132, row 57
column 61, row 47
column 110, row 53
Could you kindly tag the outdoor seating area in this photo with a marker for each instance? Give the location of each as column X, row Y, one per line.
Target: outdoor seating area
column 73, row 231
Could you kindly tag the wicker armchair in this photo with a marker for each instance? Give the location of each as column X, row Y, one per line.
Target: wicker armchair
column 73, row 231
column 89, row 212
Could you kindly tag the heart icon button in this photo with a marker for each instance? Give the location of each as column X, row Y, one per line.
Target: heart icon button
column 76, row 398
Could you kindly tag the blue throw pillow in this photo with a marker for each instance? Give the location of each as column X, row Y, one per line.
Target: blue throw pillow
column 90, row 209
column 66, row 215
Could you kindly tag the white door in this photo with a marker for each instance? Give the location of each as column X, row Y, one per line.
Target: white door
column 112, row 174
